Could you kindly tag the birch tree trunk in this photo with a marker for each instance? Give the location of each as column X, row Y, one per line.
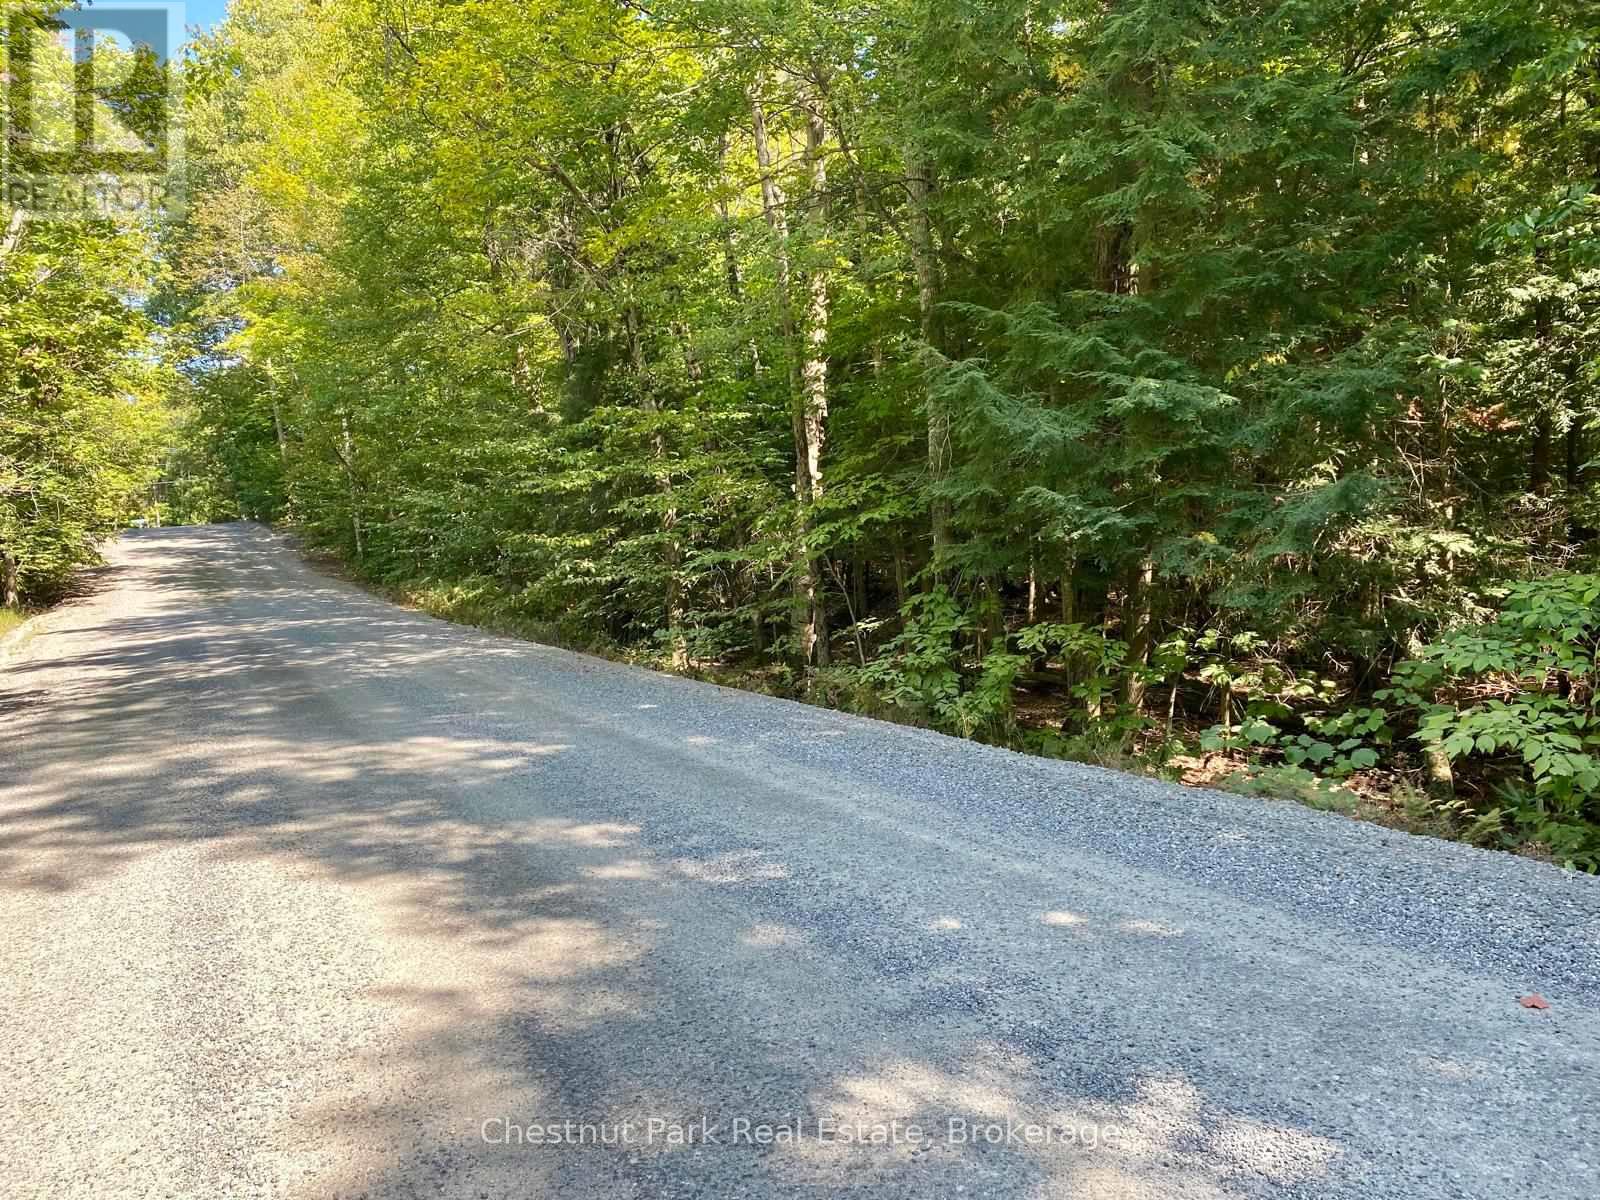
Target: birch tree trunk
column 10, row 581
column 814, row 369
column 13, row 235
column 348, row 458
column 277, row 426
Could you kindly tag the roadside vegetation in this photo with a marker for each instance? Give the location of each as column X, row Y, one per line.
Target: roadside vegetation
column 1209, row 391
column 81, row 414
column 11, row 618
column 82, row 390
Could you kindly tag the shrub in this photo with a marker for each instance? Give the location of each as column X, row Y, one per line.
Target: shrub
column 1514, row 700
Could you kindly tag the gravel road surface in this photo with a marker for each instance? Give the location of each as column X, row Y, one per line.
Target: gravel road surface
column 304, row 895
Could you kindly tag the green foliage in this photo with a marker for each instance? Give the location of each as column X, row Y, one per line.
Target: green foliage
column 80, row 416
column 922, row 670
column 1337, row 746
column 1096, row 662
column 1516, row 698
column 1074, row 373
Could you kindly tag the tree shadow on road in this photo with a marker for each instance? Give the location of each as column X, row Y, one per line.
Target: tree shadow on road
column 525, row 928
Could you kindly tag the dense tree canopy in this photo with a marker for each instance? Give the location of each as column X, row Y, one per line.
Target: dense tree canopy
column 1082, row 374
column 80, row 388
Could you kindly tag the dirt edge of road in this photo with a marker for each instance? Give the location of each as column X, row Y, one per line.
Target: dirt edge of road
column 1367, row 808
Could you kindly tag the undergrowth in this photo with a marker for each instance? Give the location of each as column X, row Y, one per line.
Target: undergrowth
column 1509, row 705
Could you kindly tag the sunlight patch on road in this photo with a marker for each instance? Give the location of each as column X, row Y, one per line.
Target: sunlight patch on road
column 624, row 868
column 738, row 866
column 1061, row 917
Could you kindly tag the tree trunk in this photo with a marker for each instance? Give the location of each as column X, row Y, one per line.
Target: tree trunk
column 814, row 371
column 927, row 268
column 283, row 440
column 1441, row 778
column 15, row 228
column 1117, row 274
column 1539, row 451
column 348, row 457
column 1539, row 455
column 692, row 367
column 772, row 207
column 1138, row 616
column 10, row 581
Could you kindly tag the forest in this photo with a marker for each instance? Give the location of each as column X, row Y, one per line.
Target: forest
column 1203, row 389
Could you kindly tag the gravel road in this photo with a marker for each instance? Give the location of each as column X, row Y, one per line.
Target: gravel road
column 304, row 895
